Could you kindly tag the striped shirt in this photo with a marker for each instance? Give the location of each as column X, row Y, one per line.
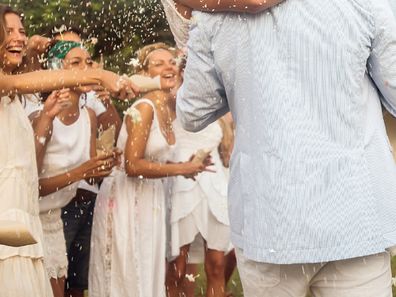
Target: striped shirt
column 312, row 174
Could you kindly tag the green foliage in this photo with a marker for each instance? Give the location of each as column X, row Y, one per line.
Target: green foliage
column 121, row 26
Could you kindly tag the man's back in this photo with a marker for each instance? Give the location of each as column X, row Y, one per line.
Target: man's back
column 311, row 172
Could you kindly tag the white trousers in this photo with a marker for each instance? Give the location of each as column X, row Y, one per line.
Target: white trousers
column 368, row 276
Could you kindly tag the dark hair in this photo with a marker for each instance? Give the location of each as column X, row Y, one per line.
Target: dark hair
column 54, row 33
column 5, row 9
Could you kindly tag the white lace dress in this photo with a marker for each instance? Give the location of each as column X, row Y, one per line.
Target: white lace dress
column 68, row 147
column 199, row 208
column 128, row 233
column 178, row 24
column 22, row 271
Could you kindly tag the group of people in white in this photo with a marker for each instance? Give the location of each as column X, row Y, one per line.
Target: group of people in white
column 158, row 208
column 123, row 207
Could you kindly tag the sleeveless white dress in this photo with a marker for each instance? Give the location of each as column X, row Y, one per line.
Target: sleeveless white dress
column 22, row 271
column 128, row 234
column 68, row 148
column 199, row 207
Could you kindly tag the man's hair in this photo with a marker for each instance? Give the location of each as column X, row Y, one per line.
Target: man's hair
column 54, row 32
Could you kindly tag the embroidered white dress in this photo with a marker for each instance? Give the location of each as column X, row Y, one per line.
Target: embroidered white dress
column 128, row 233
column 22, row 271
column 68, row 148
column 199, row 207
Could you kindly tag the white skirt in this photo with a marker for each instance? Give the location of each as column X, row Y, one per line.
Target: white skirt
column 199, row 226
column 24, row 276
column 55, row 256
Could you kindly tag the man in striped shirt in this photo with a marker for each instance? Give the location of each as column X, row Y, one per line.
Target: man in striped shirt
column 312, row 196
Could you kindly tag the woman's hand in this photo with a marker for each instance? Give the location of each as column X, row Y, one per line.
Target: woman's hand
column 120, row 87
column 56, row 102
column 191, row 169
column 97, row 167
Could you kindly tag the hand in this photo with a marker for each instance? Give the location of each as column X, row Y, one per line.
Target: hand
column 99, row 166
column 120, row 87
column 192, row 169
column 56, row 102
column 38, row 44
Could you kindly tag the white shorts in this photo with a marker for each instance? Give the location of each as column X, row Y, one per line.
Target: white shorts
column 55, row 256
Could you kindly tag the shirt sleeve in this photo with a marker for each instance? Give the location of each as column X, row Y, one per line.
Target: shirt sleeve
column 201, row 100
column 382, row 60
column 93, row 102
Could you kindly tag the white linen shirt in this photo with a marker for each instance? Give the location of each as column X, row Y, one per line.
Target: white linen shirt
column 312, row 175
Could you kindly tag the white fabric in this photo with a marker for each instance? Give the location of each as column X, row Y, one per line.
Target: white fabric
column 93, row 102
column 128, row 233
column 196, row 227
column 68, row 148
column 201, row 204
column 178, row 24
column 55, row 258
column 368, row 276
column 19, row 202
column 31, row 103
column 23, row 276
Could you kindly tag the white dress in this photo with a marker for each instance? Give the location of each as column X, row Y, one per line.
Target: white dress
column 22, row 271
column 68, row 148
column 199, row 207
column 128, row 233
column 178, row 24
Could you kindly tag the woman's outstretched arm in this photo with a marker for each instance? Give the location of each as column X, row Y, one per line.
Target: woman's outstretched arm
column 48, row 80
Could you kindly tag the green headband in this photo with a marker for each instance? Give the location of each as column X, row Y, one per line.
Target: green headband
column 61, row 49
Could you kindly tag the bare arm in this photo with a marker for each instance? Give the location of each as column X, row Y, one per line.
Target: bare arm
column 42, row 121
column 48, row 80
column 252, row 6
column 135, row 163
column 97, row 167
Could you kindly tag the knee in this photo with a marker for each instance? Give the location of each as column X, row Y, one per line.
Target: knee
column 214, row 267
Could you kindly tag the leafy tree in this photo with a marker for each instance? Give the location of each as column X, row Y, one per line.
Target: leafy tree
column 121, row 26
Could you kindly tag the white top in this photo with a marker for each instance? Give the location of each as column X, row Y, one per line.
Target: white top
column 18, row 176
column 178, row 24
column 213, row 184
column 68, row 148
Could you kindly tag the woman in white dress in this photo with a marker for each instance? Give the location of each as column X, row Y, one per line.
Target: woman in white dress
column 70, row 157
column 199, row 216
column 129, row 236
column 22, row 271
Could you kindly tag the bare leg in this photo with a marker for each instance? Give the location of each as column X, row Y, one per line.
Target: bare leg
column 74, row 293
column 214, row 268
column 189, row 287
column 229, row 268
column 58, row 286
column 176, row 274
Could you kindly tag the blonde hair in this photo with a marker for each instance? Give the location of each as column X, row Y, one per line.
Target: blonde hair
column 143, row 54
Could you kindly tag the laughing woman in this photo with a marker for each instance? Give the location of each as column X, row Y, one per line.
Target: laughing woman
column 129, row 235
column 22, row 271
